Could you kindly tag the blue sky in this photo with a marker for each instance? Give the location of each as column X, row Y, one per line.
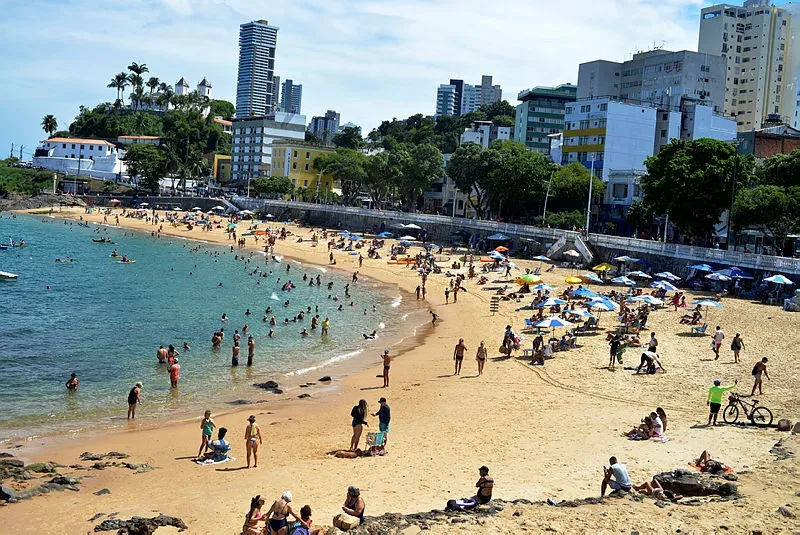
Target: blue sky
column 368, row 59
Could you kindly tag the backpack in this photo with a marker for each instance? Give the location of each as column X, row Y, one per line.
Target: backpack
column 298, row 529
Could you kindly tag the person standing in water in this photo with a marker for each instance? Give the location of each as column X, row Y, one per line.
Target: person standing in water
column 252, row 437
column 134, row 398
column 235, row 354
column 174, row 373
column 251, row 350
column 73, row 383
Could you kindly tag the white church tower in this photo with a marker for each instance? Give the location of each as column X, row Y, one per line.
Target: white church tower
column 204, row 89
column 181, row 87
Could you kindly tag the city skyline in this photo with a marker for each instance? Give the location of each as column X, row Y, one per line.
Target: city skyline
column 379, row 60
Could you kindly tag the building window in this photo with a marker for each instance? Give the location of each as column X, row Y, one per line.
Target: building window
column 295, row 154
column 584, row 124
column 305, row 183
column 603, row 107
column 663, row 132
column 308, row 157
column 294, row 165
column 63, row 145
column 73, row 146
column 306, row 167
column 586, row 108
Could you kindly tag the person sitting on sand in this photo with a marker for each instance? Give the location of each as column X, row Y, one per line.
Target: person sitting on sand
column 615, row 476
column 279, row 515
column 305, row 520
column 709, row 465
column 644, row 431
column 253, row 517
column 354, row 505
column 219, row 448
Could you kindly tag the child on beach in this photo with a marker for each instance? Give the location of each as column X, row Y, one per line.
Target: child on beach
column 207, row 426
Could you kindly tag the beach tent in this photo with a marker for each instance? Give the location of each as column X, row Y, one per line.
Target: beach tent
column 605, row 266
column 591, row 277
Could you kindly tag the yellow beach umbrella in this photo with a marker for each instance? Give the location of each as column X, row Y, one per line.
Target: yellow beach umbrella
column 573, row 280
column 605, row 266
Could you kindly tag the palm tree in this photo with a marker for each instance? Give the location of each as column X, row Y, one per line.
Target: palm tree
column 119, row 82
column 49, row 124
column 153, row 83
column 137, row 69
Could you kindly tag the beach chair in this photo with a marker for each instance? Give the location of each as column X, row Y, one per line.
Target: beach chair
column 376, row 442
column 537, row 271
column 591, row 323
column 700, row 330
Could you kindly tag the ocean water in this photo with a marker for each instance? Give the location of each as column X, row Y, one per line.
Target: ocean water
column 104, row 321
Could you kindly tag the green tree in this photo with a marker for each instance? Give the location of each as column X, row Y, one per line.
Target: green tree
column 152, row 84
column 773, row 209
column 347, row 167
column 313, row 139
column 469, row 168
column 569, row 190
column 349, row 138
column 147, row 162
column 379, row 172
column 135, row 78
column 495, row 110
column 418, row 171
column 518, row 179
column 222, row 108
column 119, row 82
column 566, row 220
column 49, row 124
column 274, row 186
column 780, row 170
column 691, row 181
column 639, row 216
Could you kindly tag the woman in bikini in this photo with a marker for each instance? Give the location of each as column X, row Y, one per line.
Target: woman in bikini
column 480, row 356
column 252, row 438
column 278, row 523
column 253, row 517
column 359, row 413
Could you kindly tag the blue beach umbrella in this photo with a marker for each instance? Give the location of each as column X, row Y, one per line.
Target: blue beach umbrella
column 735, row 273
column 665, row 285
column 668, row 275
column 625, row 258
column 779, row 279
column 541, row 258
column 603, row 302
column 431, row 246
column 718, row 277
column 551, row 302
column 355, row 238
column 623, row 280
column 640, row 274
column 582, row 313
column 584, row 292
column 708, row 303
column 702, row 267
column 344, row 233
column 592, row 277
column 405, row 242
column 385, row 235
column 553, row 322
column 543, row 287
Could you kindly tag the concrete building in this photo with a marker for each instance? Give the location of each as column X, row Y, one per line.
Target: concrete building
column 276, row 90
column 220, row 165
column 94, row 158
column 227, row 126
column 182, row 87
column 484, row 132
column 325, row 126
column 768, row 142
column 469, row 99
column 488, row 93
column 291, row 97
column 447, row 102
column 658, row 77
column 254, row 86
column 760, row 45
column 139, row 140
column 295, row 159
column 252, row 142
column 541, row 114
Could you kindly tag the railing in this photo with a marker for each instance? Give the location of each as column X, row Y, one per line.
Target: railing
column 716, row 256
column 688, row 252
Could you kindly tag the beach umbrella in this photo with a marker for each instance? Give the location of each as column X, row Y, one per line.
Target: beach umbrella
column 431, row 246
column 197, row 209
column 639, row 274
column 355, row 238
column 592, row 277
column 625, row 258
column 114, row 202
column 584, row 292
column 667, row 275
column 573, row 280
column 605, row 266
column 603, row 303
column 735, row 273
column 385, row 235
column 708, row 303
column 144, row 204
column 779, row 279
column 501, row 249
column 718, row 277
column 412, row 226
column 701, row 267
column 601, row 306
column 543, row 287
column 498, row 237
column 553, row 321
column 408, row 238
column 553, row 301
column 665, row 285
column 649, row 299
column 541, row 258
column 528, row 278
column 405, row 242
column 248, row 212
column 269, row 216
column 623, row 280
column 581, row 312
column 573, row 253
column 497, row 256
column 344, row 233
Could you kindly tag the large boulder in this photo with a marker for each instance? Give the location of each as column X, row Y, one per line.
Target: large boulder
column 696, row 484
column 141, row 526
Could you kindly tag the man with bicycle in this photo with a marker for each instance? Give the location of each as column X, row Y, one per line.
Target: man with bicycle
column 715, row 399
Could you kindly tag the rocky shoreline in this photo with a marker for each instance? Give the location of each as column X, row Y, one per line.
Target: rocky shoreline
column 37, row 202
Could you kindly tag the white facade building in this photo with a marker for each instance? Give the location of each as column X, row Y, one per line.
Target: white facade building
column 484, row 132
column 89, row 157
column 446, row 100
column 182, row 87
column 255, row 90
column 469, row 99
column 204, row 89
column 252, row 142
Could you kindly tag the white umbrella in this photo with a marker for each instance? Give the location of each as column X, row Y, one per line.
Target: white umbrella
column 552, row 302
column 553, row 321
column 412, row 226
column 592, row 277
column 248, row 212
column 639, row 274
column 581, row 312
column 625, row 258
column 269, row 216
column 668, row 275
column 649, row 299
column 407, row 238
column 708, row 303
column 623, row 280
column 218, row 207
column 718, row 277
column 778, row 279
column 573, row 253
column 197, row 209
column 665, row 285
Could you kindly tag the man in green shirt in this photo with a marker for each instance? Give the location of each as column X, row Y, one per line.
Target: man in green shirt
column 715, row 399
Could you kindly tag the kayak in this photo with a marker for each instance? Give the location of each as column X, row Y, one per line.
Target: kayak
column 126, row 262
column 116, row 256
column 102, row 241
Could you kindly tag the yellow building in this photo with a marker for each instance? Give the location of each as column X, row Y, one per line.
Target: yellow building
column 220, row 167
column 295, row 159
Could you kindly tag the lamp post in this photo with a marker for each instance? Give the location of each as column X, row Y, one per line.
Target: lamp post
column 735, row 143
column 547, row 195
column 589, row 204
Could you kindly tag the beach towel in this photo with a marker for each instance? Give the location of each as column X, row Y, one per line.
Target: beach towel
column 206, row 462
column 660, row 438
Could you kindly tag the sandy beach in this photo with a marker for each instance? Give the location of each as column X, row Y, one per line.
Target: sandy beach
column 544, row 431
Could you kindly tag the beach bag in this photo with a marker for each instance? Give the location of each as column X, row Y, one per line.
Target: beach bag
column 784, row 424
column 345, row 522
column 298, row 529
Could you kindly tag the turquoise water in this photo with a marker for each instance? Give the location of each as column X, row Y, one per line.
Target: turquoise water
column 104, row 321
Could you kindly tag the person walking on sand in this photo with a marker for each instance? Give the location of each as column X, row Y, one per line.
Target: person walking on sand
column 652, row 345
column 714, row 400
column 716, row 343
column 251, row 350
column 458, row 355
column 434, row 317
column 358, row 413
column 417, row 291
column 207, row 426
column 174, row 373
column 134, row 398
column 447, row 296
column 252, row 438
column 737, row 344
column 759, row 370
column 235, row 354
column 480, row 356
column 387, row 362
column 614, row 346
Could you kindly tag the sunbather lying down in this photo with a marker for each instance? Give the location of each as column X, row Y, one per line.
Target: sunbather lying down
column 706, row 464
column 654, row 489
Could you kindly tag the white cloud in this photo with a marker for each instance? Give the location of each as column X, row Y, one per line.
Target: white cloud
column 368, row 59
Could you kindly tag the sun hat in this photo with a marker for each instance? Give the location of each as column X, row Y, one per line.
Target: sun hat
column 286, row 496
column 139, row 384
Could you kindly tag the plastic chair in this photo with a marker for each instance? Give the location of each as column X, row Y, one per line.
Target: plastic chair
column 700, row 330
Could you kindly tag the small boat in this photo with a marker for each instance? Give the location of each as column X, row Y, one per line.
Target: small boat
column 102, row 240
column 126, row 261
column 5, row 275
column 64, row 260
column 4, row 247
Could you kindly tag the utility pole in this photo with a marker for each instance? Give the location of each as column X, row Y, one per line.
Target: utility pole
column 589, row 205
column 547, row 195
column 20, row 151
column 11, row 154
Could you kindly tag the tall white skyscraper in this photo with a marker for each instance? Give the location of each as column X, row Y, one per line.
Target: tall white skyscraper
column 254, row 86
column 447, row 102
column 762, row 51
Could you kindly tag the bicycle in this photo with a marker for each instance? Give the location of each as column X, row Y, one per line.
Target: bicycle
column 760, row 416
